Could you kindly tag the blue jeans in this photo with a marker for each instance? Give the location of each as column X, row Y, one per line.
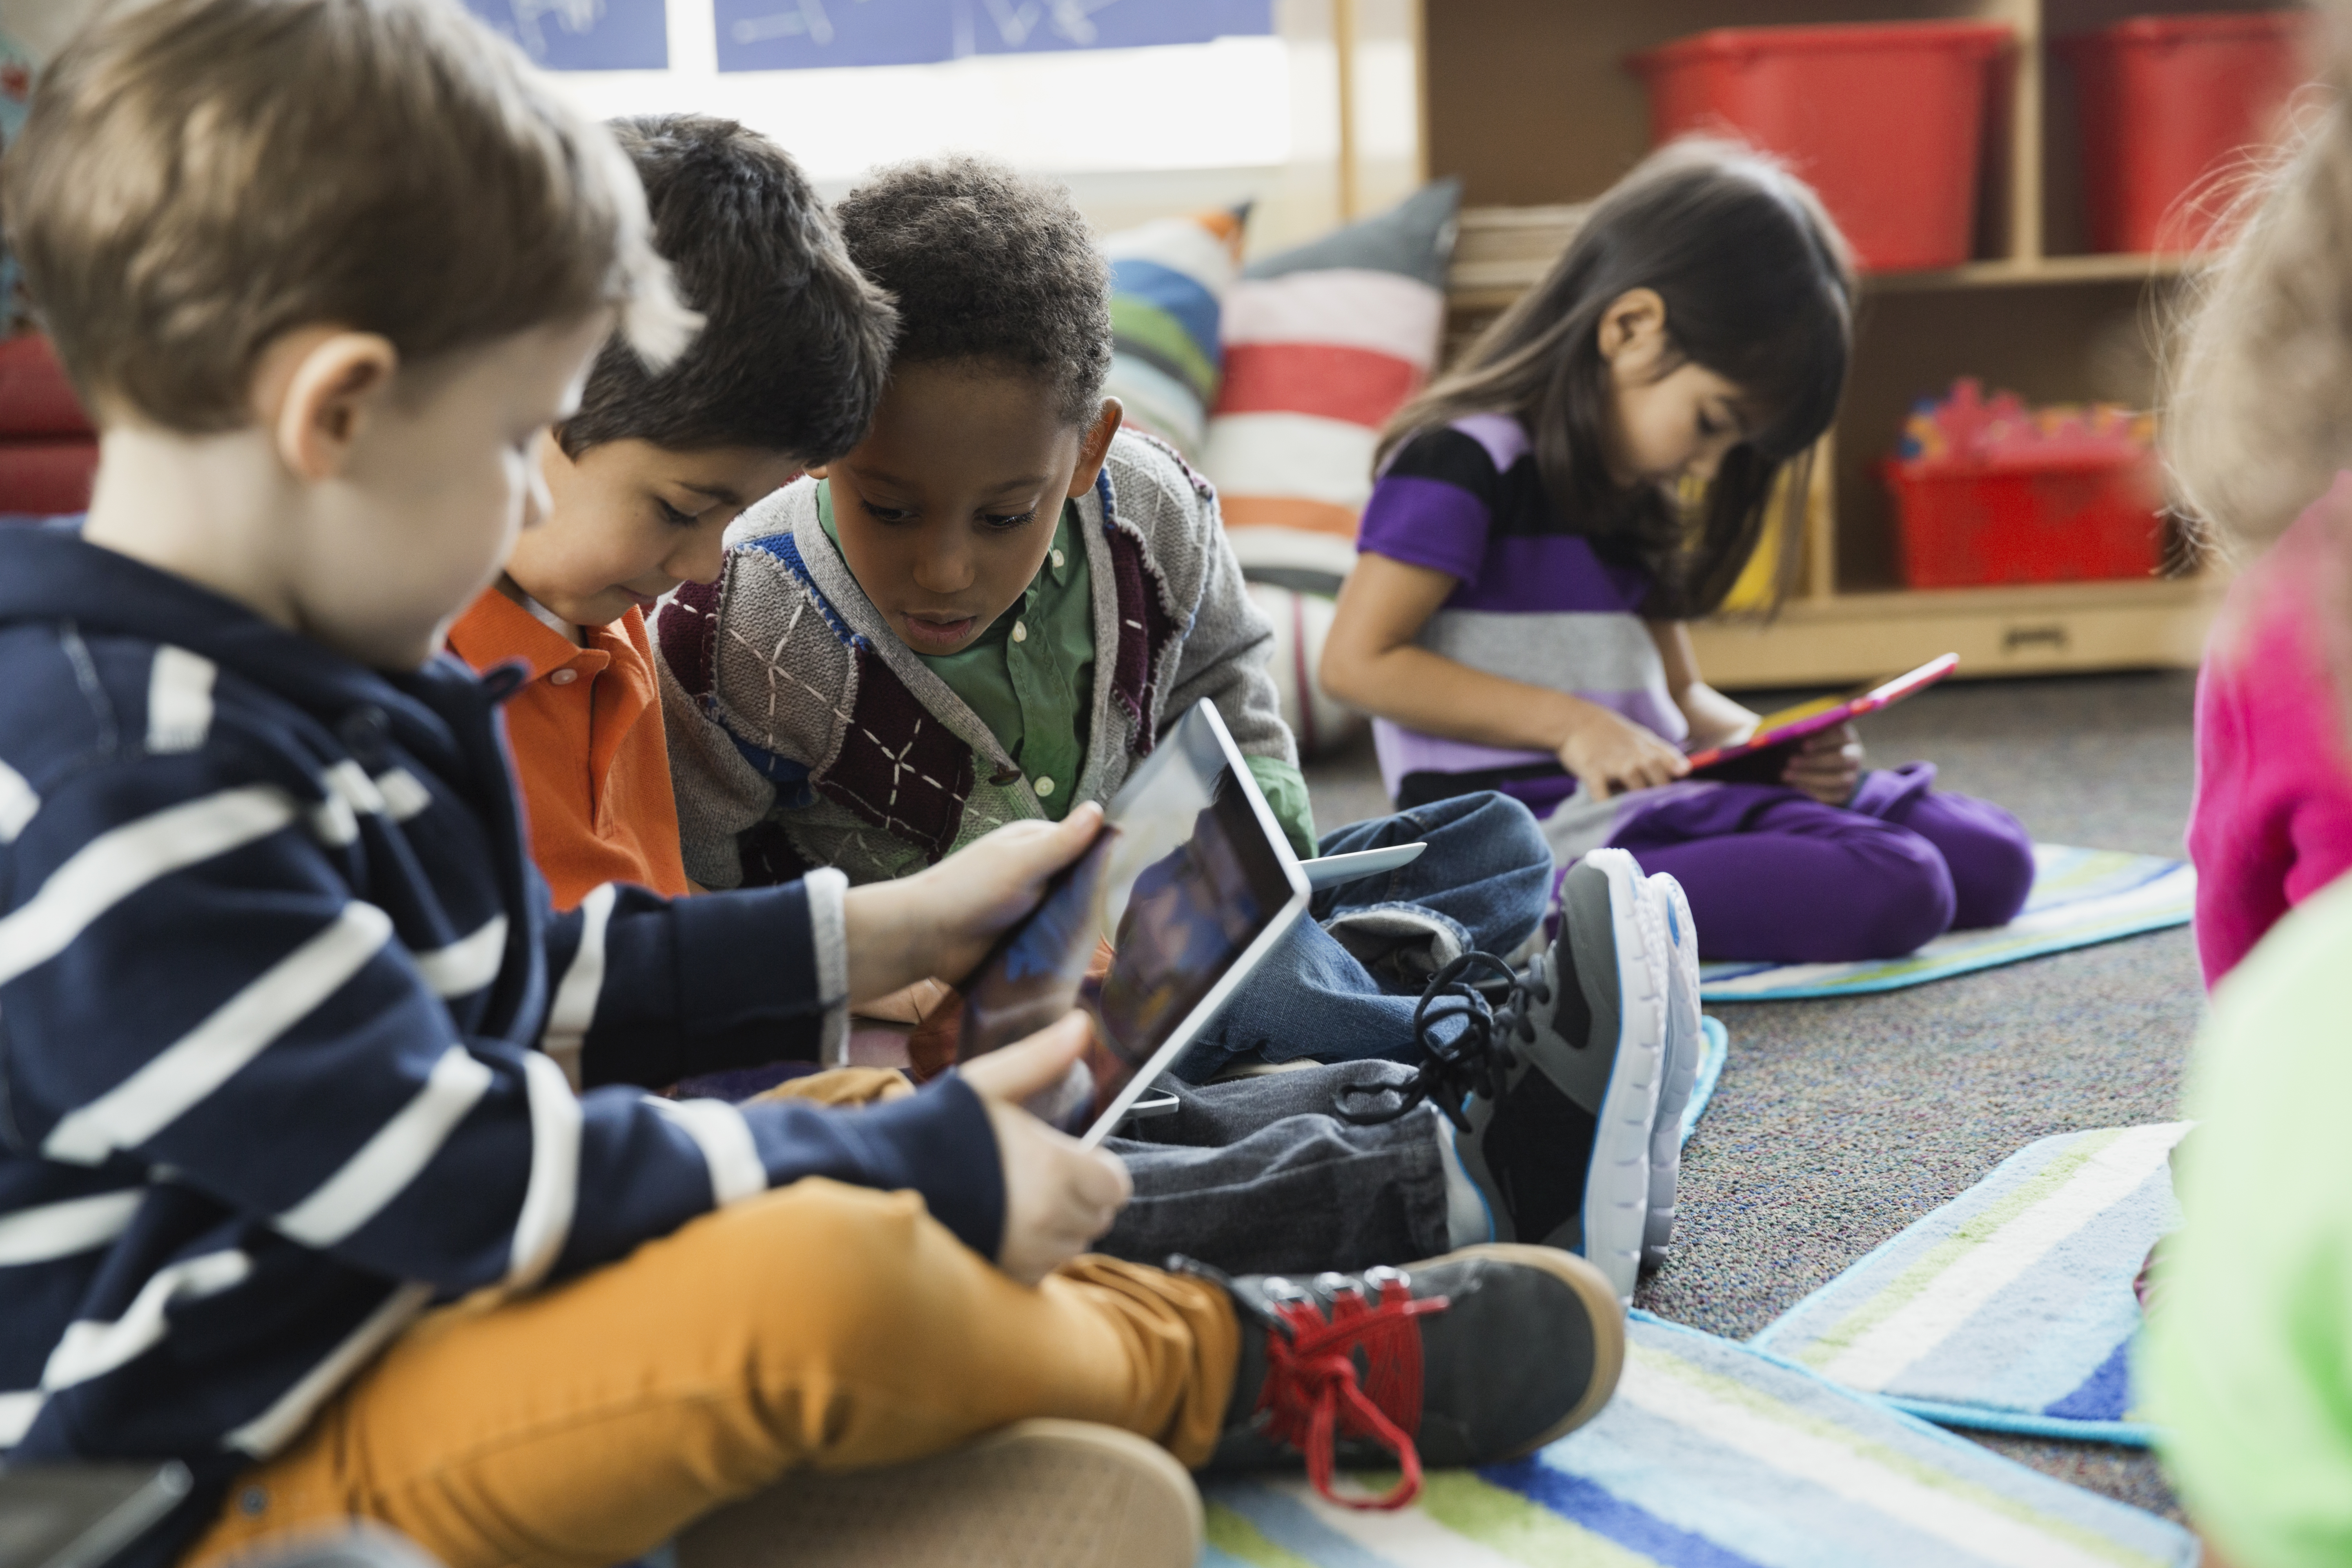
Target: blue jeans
column 1343, row 985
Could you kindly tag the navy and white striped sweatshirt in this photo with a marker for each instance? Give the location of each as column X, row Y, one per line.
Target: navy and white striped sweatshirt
column 275, row 975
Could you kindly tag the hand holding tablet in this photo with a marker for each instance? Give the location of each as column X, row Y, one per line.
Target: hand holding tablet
column 1193, row 884
column 1778, row 734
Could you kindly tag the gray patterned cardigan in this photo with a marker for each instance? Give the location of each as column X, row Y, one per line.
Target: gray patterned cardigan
column 802, row 733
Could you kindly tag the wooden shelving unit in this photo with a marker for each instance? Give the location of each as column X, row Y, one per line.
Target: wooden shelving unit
column 1529, row 101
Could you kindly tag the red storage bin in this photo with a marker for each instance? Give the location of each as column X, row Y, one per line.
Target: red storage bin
column 35, row 398
column 1959, row 524
column 1885, row 120
column 2166, row 102
column 45, row 478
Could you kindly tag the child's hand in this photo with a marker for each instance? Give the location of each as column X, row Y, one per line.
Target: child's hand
column 1058, row 1194
column 1610, row 754
column 940, row 921
column 1827, row 766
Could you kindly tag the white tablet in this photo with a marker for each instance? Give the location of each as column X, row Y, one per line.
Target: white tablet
column 1192, row 883
column 1330, row 870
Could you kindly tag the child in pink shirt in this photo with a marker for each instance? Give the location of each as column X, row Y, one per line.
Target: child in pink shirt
column 2272, row 819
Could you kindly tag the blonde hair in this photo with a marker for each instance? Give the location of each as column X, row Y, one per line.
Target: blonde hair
column 198, row 177
column 2258, row 412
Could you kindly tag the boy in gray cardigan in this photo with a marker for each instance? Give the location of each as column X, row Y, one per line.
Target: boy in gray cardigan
column 987, row 611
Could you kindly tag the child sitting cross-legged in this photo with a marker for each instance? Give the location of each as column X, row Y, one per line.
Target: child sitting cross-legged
column 1516, row 620
column 289, row 1192
column 755, row 252
column 990, row 610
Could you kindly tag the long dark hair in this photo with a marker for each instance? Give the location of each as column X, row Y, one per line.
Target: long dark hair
column 1758, row 288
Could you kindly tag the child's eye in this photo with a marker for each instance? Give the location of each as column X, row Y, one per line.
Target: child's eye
column 886, row 513
column 1707, row 428
column 993, row 520
column 672, row 516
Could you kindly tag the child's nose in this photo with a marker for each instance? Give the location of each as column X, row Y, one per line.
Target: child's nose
column 1702, row 466
column 702, row 558
column 943, row 566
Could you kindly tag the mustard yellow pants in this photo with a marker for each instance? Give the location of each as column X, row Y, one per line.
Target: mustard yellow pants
column 817, row 1325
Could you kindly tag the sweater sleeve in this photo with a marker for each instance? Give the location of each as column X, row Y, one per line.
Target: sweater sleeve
column 722, row 789
column 1224, row 656
column 1284, row 788
column 182, row 965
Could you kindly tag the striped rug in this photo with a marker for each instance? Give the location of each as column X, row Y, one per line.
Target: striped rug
column 2080, row 897
column 1714, row 1051
column 1711, row 1456
column 2009, row 1308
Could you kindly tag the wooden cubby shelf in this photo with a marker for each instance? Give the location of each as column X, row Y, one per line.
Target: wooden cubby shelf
column 1529, row 101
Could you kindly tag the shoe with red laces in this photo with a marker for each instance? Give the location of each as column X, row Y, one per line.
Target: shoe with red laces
column 1484, row 1354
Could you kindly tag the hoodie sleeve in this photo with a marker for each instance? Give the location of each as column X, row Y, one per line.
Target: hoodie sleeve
column 188, row 981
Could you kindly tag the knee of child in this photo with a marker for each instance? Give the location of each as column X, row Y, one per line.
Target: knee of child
column 848, row 1259
column 1992, row 876
column 1497, row 834
column 1510, row 825
column 1908, row 895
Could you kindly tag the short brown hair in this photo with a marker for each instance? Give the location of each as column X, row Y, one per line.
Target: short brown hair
column 199, row 177
column 798, row 342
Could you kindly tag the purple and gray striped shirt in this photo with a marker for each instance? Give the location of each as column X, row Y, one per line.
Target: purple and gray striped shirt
column 1536, row 602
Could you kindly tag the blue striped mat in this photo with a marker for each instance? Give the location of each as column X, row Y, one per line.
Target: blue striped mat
column 1711, row 1456
column 1714, row 1051
column 2009, row 1308
column 2080, row 898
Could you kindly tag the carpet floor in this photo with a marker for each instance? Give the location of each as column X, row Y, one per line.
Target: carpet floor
column 1839, row 1122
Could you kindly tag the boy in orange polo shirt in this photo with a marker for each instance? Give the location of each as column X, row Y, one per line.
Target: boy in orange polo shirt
column 643, row 481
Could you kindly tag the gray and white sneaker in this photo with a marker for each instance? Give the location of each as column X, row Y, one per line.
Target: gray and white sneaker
column 1685, row 1045
column 1552, row 1094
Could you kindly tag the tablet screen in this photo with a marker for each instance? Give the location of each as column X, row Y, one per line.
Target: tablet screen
column 1184, row 879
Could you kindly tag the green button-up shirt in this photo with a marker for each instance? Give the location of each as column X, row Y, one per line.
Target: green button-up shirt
column 1030, row 678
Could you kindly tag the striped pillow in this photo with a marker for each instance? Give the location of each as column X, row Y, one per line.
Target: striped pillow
column 1322, row 344
column 1167, row 279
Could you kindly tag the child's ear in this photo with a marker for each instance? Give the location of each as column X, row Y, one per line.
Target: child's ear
column 1094, row 450
column 1633, row 330
column 316, row 396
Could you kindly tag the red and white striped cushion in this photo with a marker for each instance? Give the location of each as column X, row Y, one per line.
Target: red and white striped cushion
column 1322, row 344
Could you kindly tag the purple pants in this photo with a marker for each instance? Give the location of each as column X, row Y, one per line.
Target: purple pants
column 1773, row 875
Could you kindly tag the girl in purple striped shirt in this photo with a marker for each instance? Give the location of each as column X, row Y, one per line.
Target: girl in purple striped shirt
column 1515, row 621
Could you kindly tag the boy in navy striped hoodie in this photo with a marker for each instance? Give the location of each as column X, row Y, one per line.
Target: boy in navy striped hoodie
column 291, row 1189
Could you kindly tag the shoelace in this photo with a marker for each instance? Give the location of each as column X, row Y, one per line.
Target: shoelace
column 1478, row 1060
column 1312, row 1397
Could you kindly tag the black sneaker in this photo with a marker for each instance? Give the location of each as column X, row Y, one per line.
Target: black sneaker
column 1484, row 1354
column 1553, row 1092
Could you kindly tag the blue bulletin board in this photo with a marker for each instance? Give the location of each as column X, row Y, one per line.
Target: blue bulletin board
column 797, row 34
column 583, row 35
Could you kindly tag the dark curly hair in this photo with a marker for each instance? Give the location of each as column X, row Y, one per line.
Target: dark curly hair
column 796, row 344
column 986, row 264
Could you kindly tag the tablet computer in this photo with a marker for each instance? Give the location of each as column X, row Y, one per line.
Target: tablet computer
column 1338, row 870
column 1192, row 884
column 1760, row 758
column 82, row 1516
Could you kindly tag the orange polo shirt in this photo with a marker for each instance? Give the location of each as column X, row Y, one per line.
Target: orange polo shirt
column 586, row 733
